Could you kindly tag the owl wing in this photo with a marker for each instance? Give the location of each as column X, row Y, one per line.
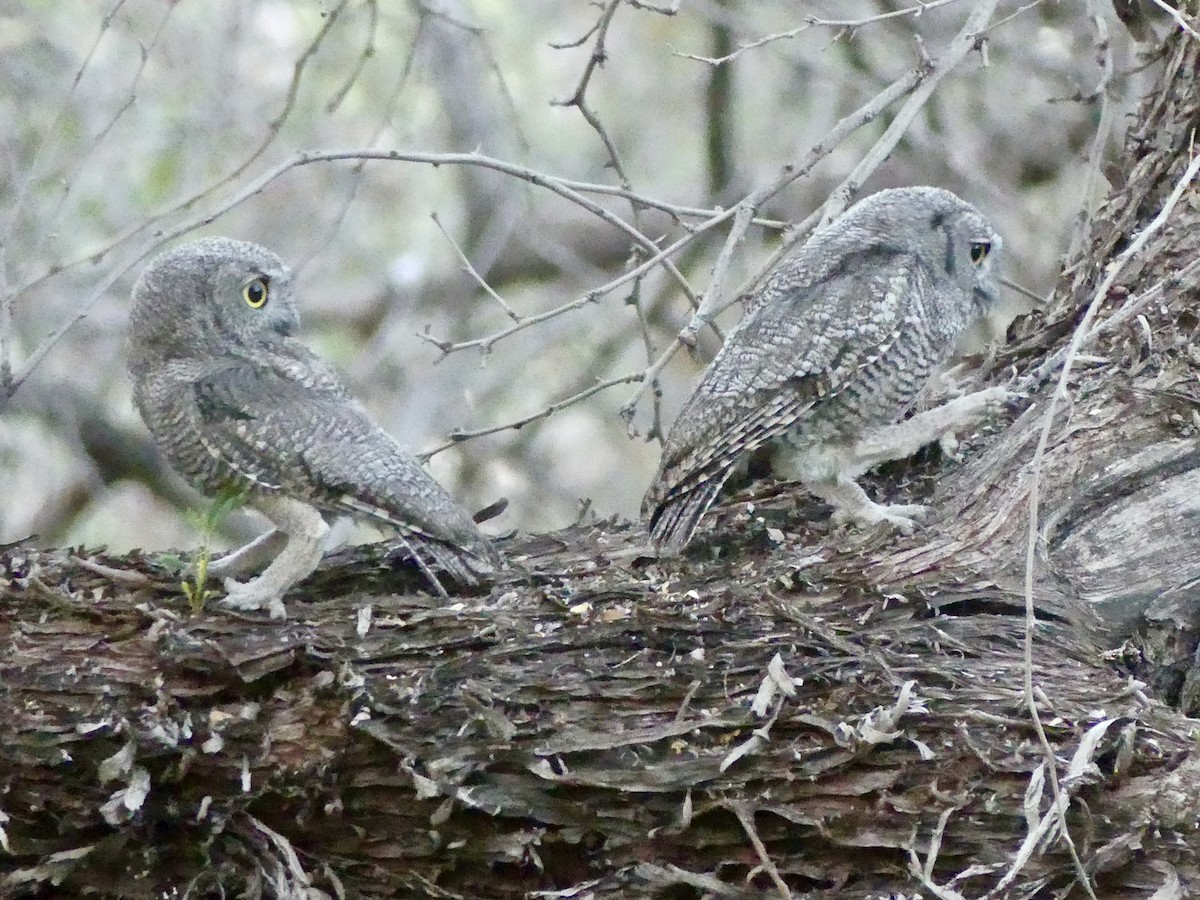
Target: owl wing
column 803, row 343
column 292, row 428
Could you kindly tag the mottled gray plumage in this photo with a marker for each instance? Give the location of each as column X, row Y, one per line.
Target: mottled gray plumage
column 234, row 401
column 832, row 352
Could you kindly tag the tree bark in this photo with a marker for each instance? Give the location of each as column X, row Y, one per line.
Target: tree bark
column 791, row 710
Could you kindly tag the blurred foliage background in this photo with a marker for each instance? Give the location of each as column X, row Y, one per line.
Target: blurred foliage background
column 131, row 123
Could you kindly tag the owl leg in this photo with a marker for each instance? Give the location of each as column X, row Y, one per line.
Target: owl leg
column 903, row 439
column 251, row 558
column 305, row 530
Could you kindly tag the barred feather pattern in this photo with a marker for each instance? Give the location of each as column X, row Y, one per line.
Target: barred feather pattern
column 235, row 401
column 841, row 337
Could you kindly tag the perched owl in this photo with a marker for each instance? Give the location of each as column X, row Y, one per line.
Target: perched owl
column 832, row 352
column 236, row 402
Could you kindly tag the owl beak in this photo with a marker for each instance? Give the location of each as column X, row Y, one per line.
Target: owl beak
column 986, row 296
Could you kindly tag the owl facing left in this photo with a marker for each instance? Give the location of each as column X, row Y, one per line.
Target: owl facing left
column 235, row 402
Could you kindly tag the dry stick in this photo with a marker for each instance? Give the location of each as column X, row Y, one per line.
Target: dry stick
column 389, row 109
column 747, row 822
column 457, row 437
column 1177, row 16
column 1104, row 56
column 1020, row 10
column 471, row 270
column 368, row 51
column 580, row 101
column 815, row 22
column 1083, row 331
column 654, row 8
column 592, row 296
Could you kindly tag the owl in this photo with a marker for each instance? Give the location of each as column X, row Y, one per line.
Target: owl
column 831, row 354
column 236, row 403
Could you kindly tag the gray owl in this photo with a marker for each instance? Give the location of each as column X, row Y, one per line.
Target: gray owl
column 236, row 402
column 833, row 351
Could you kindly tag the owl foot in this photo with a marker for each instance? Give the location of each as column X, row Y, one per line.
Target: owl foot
column 904, row 517
column 253, row 595
column 301, row 530
column 851, row 505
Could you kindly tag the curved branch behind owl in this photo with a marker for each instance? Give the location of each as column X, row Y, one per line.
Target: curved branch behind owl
column 833, row 351
column 235, row 402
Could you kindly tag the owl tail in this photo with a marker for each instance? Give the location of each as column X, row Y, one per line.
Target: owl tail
column 673, row 521
column 462, row 566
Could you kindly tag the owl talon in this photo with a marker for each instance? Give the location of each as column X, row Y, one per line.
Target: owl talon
column 249, row 596
column 904, row 517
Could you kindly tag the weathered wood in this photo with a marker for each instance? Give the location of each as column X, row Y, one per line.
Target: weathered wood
column 791, row 708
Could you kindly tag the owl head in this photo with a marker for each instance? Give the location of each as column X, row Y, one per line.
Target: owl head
column 948, row 233
column 211, row 292
column 953, row 238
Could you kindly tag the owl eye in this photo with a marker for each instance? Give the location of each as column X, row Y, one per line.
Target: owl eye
column 255, row 292
column 980, row 251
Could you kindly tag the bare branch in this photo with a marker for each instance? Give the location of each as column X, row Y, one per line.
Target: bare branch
column 458, row 436
column 1177, row 16
column 967, row 39
column 579, row 99
column 230, row 177
column 811, row 22
column 470, row 269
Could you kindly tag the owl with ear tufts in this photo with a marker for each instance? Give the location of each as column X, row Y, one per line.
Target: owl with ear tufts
column 833, row 351
column 236, row 403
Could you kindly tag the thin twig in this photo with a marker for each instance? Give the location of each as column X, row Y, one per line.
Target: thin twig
column 743, row 814
column 1177, row 16
column 457, row 437
column 579, row 100
column 368, row 51
column 811, row 22
column 479, row 279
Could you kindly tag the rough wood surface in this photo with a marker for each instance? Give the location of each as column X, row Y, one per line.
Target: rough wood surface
column 791, row 710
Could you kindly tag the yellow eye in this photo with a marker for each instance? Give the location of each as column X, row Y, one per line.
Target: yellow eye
column 980, row 251
column 255, row 293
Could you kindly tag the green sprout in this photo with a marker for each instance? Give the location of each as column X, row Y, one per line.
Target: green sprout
column 228, row 500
